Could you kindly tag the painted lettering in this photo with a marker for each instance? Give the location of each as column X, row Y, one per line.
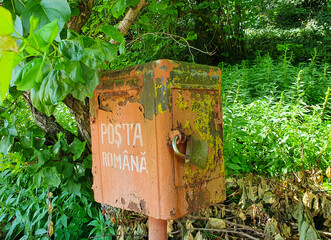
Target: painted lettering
column 116, row 134
column 125, row 161
column 137, row 135
column 119, row 139
column 103, row 131
column 143, row 165
column 117, row 161
column 111, row 135
column 134, row 163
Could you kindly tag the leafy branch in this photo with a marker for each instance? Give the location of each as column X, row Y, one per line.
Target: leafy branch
column 174, row 38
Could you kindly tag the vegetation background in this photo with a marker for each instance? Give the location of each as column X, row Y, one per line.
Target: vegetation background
column 275, row 62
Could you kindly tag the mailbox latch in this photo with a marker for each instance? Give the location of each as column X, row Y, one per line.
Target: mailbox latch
column 196, row 150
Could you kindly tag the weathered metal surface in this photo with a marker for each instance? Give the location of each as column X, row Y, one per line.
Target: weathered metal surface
column 135, row 112
column 157, row 229
column 197, row 150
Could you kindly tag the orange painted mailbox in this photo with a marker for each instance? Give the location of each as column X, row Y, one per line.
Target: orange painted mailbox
column 157, row 140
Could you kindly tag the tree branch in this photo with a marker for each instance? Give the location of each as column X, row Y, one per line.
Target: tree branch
column 129, row 18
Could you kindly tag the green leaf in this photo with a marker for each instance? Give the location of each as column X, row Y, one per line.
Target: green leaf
column 12, row 227
column 93, row 57
column 25, row 142
column 113, row 33
column 6, row 22
column 122, row 48
column 81, row 91
column 68, row 170
column 73, row 187
column 71, row 50
column 5, row 144
column 47, row 11
column 36, row 95
column 109, row 50
column 77, row 147
column 64, row 220
column 73, row 71
column 8, row 60
column 43, row 38
column 30, row 75
column 40, row 231
column 133, row 3
column 18, row 29
column 16, row 7
column 34, row 22
column 56, row 88
column 43, row 157
column 51, row 176
column 94, row 223
column 156, row 7
column 119, row 8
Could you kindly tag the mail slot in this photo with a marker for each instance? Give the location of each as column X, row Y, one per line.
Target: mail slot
column 157, row 138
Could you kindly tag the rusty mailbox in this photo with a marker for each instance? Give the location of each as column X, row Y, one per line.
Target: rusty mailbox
column 157, row 138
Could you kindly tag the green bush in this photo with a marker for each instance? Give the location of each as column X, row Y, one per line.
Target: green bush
column 276, row 117
column 45, row 183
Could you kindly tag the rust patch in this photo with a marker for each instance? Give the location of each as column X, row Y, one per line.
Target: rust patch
column 172, row 212
column 199, row 197
column 133, row 206
column 142, row 205
column 162, row 69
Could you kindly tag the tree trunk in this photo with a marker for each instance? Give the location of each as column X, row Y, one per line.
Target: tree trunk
column 48, row 124
column 80, row 111
column 77, row 22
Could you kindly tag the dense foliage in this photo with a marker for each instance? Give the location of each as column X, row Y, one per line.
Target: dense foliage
column 276, row 99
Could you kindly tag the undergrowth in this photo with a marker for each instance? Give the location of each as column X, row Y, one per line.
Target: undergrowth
column 276, row 116
column 276, row 121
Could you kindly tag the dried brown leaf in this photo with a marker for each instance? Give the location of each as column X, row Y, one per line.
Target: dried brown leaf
column 216, row 223
column 286, row 230
column 301, row 176
column 50, row 207
column 327, row 223
column 308, row 199
column 261, row 191
column 252, row 193
column 188, row 236
column 223, row 213
column 269, row 197
column 50, row 228
column 279, row 237
column 198, row 236
column 189, row 225
column 170, row 226
column 120, row 232
column 271, row 227
column 264, row 184
column 242, row 215
column 328, row 173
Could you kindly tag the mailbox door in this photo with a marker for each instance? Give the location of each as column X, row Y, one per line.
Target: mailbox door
column 198, row 112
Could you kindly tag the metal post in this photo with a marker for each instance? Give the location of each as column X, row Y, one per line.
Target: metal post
column 157, row 229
